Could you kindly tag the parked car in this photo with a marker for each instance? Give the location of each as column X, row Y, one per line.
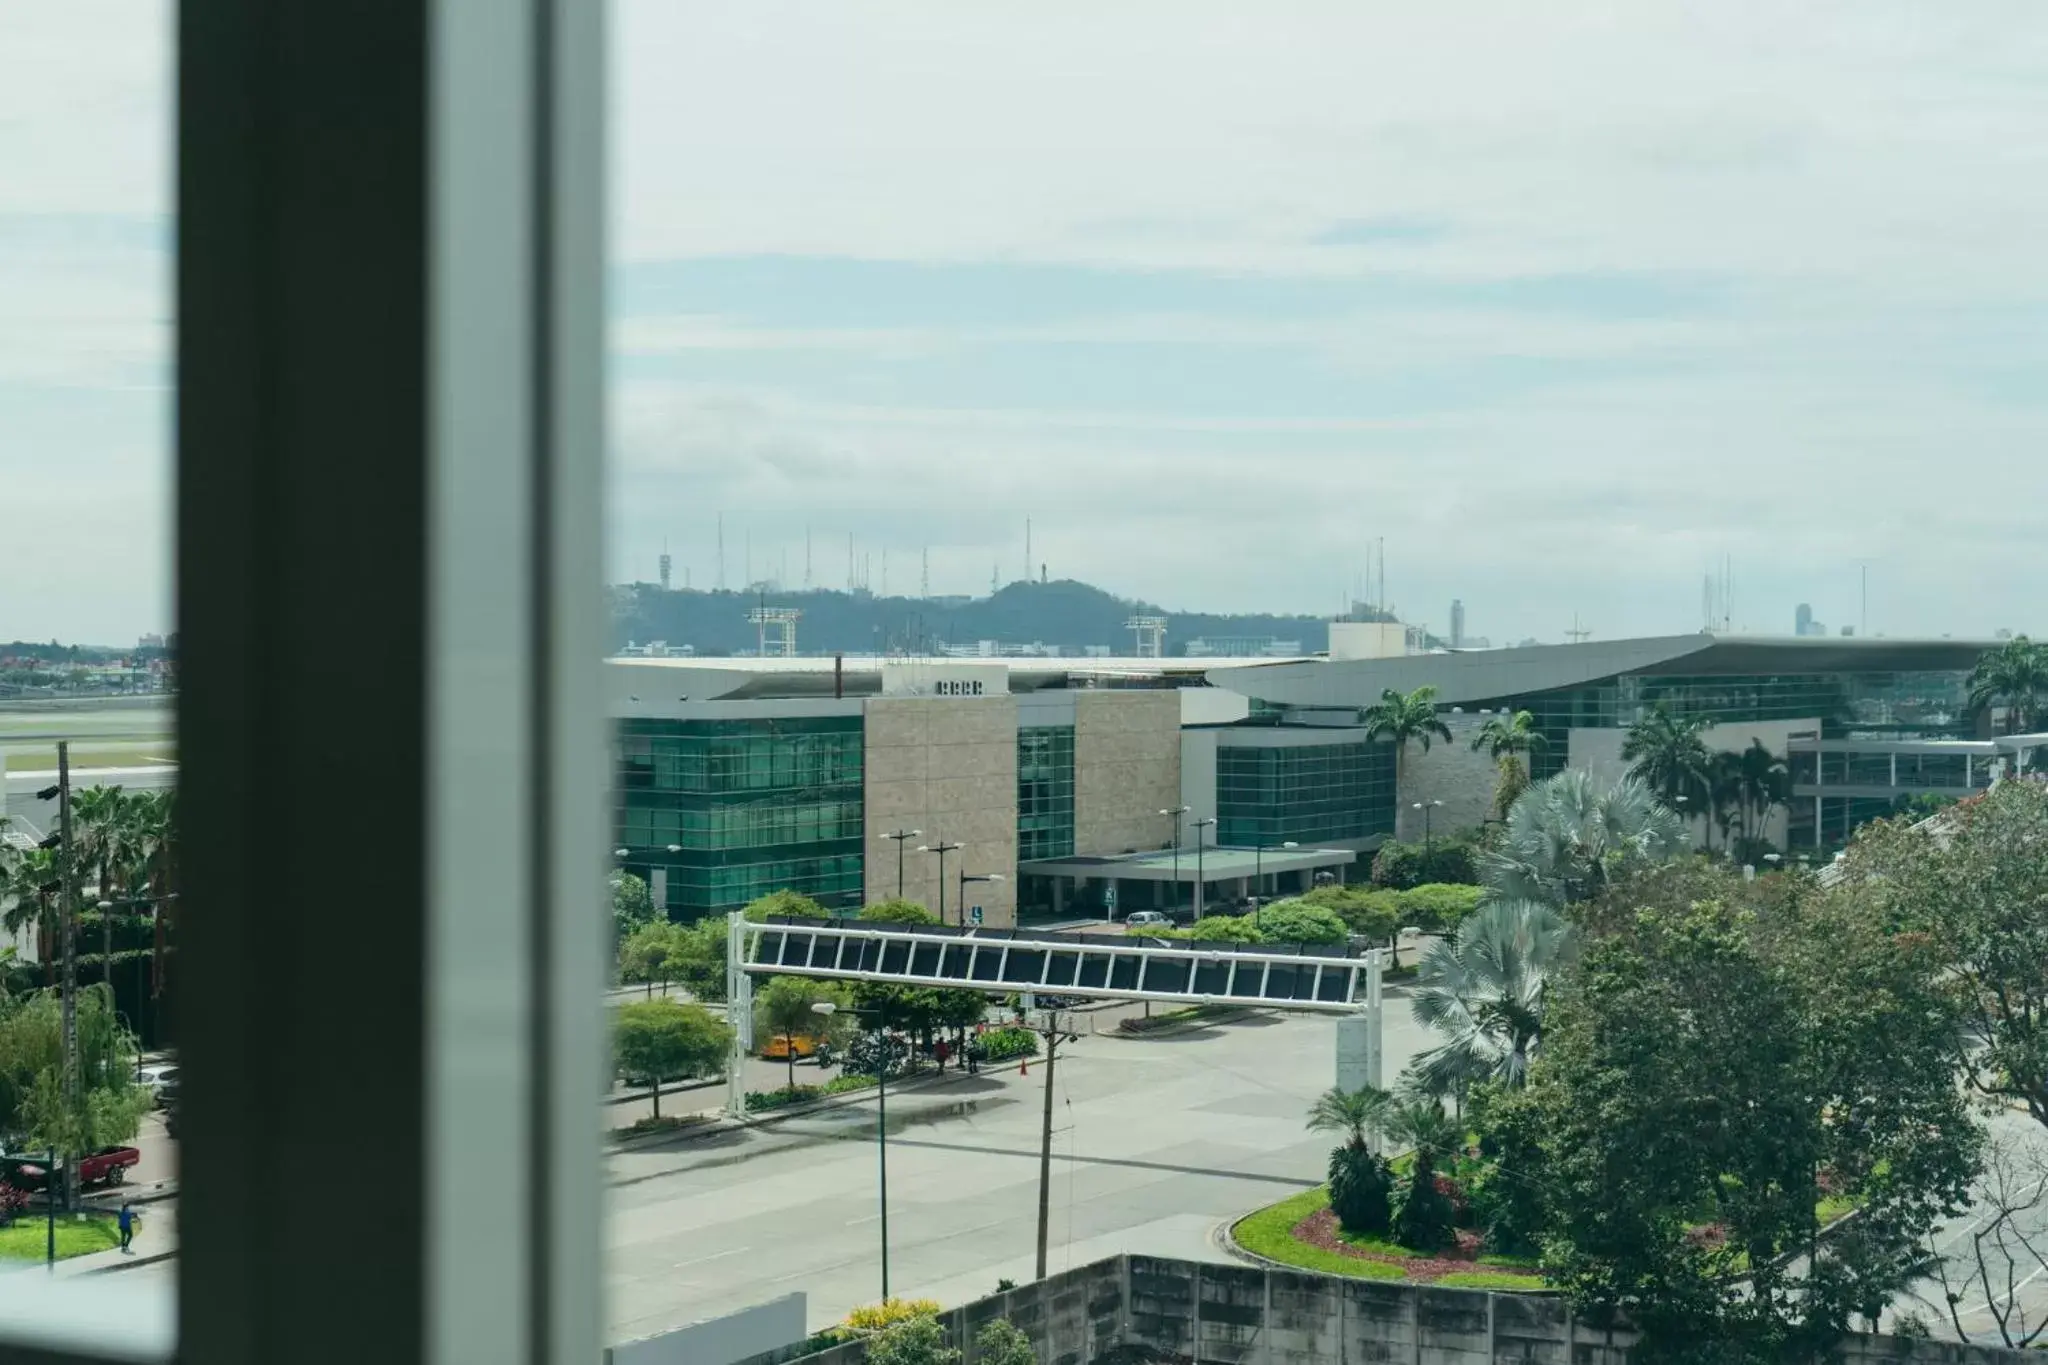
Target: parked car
column 1142, row 919
column 107, row 1166
column 159, row 1079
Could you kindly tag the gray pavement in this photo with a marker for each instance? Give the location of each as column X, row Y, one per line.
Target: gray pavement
column 1158, row 1141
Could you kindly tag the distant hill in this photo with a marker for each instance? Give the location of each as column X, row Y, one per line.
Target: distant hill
column 1065, row 614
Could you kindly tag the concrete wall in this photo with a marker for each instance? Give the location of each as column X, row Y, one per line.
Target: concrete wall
column 1139, row 1308
column 762, row 1329
column 947, row 766
column 1451, row 773
column 1126, row 768
column 1197, row 784
column 1598, row 751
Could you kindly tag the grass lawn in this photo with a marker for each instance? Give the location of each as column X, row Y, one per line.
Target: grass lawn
column 1269, row 1232
column 28, row 1238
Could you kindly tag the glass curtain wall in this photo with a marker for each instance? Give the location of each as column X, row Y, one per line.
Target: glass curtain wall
column 1309, row 793
column 749, row 806
column 1045, row 792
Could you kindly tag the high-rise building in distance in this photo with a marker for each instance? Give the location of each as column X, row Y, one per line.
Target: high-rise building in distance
column 1457, row 623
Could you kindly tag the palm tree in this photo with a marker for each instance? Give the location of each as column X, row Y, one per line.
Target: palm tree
column 1667, row 754
column 1568, row 837
column 1354, row 1113
column 153, row 831
column 2016, row 672
column 1722, row 795
column 1402, row 718
column 1483, row 993
column 103, row 817
column 31, row 882
column 1506, row 738
column 1424, row 1222
column 1762, row 782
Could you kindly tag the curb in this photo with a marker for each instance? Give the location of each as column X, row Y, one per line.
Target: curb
column 129, row 1263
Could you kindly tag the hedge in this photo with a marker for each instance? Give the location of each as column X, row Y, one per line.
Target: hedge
column 1006, row 1044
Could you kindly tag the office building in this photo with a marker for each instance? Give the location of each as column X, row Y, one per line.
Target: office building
column 1457, row 623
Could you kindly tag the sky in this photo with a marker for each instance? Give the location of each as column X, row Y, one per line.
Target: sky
column 1567, row 304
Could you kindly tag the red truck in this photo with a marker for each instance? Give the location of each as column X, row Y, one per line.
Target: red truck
column 107, row 1166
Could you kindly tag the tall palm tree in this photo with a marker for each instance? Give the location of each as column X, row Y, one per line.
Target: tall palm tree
column 1506, row 739
column 27, row 900
column 1402, row 718
column 1483, row 993
column 1762, row 783
column 2016, row 673
column 1567, row 837
column 154, row 832
column 103, row 817
column 1354, row 1113
column 1665, row 752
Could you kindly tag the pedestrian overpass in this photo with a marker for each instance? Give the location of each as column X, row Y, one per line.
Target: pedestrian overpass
column 1330, row 980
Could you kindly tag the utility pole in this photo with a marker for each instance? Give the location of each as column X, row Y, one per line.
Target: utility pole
column 1053, row 1036
column 68, row 909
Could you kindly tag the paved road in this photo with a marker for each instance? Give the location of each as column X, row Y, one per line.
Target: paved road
column 1157, row 1141
column 2018, row 1288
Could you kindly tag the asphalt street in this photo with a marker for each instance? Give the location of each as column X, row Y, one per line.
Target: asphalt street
column 1158, row 1141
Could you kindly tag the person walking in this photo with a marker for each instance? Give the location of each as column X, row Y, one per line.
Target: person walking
column 940, row 1051
column 974, row 1051
column 126, row 1220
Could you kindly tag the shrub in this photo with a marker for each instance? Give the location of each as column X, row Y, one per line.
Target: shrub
column 1360, row 1189
column 839, row 1085
column 760, row 1101
column 1369, row 912
column 1437, row 907
column 1001, row 1343
column 876, row 1317
column 917, row 1341
column 1003, row 1044
column 1224, row 929
column 1426, row 1220
column 898, row 912
column 1449, row 859
column 784, row 903
column 1295, row 921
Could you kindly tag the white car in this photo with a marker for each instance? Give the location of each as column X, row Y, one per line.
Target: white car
column 1148, row 919
column 158, row 1079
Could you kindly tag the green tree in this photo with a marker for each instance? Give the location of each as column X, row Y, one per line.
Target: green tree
column 1978, row 886
column 1002, row 1343
column 657, row 1040
column 1512, row 741
column 1761, row 783
column 644, row 956
column 33, row 1107
column 784, row 905
column 918, row 1341
column 1702, row 1069
column 1444, row 860
column 1403, row 717
column 1359, row 1183
column 1569, row 837
column 1668, row 756
column 31, row 901
column 1367, row 911
column 696, row 957
column 783, row 1009
column 2015, row 673
column 1297, row 921
column 896, row 911
column 1483, row 994
column 1223, row 929
column 632, row 905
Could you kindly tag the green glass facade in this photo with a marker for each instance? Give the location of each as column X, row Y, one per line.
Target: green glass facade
column 1045, row 792
column 753, row 806
column 1860, row 705
column 1308, row 793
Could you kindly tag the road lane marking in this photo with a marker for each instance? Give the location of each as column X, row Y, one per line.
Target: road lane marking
column 714, row 1256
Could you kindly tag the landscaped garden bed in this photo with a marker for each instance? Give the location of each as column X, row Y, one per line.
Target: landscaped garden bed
column 1302, row 1231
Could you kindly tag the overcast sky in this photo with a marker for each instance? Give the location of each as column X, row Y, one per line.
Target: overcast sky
column 1567, row 302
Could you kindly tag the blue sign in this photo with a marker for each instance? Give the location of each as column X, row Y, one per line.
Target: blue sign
column 974, row 915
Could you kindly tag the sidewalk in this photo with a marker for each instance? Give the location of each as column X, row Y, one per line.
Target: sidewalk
column 156, row 1239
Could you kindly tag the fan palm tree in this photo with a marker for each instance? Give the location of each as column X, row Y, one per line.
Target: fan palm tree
column 1665, row 752
column 104, row 819
column 1567, row 837
column 1359, row 1183
column 1404, row 717
column 1424, row 1221
column 2016, row 673
column 1483, row 991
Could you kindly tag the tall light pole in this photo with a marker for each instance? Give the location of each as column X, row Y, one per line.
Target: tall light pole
column 942, row 848
column 1259, row 874
column 886, row 1055
column 899, row 837
column 1199, row 826
column 964, row 879
column 1174, row 814
column 1428, row 808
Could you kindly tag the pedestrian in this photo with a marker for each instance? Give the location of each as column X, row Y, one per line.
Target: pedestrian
column 126, row 1219
column 974, row 1055
column 941, row 1052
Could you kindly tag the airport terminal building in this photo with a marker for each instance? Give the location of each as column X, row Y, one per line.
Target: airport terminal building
column 1086, row 784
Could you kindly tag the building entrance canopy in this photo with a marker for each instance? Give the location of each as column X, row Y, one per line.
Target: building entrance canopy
column 1216, row 864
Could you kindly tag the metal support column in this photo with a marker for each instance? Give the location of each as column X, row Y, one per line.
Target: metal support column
column 739, row 1012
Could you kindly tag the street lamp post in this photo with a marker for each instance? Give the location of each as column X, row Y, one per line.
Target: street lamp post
column 1199, row 826
column 979, row 877
column 942, row 848
column 1259, row 874
column 1174, row 814
column 1428, row 808
column 899, row 837
column 827, row 1007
